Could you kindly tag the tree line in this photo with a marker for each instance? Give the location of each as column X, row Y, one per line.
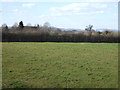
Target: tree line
column 47, row 33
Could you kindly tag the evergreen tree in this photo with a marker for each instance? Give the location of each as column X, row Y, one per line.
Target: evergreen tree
column 21, row 25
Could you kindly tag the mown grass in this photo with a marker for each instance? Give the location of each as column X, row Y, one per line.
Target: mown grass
column 60, row 65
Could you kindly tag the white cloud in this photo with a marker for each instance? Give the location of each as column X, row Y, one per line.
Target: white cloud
column 102, row 0
column 99, row 5
column 59, row 0
column 76, row 9
column 88, row 13
column 70, row 14
column 51, row 15
column 71, row 7
column 28, row 5
column 79, row 9
column 116, row 5
column 9, row 0
column 17, row 12
column 0, row 10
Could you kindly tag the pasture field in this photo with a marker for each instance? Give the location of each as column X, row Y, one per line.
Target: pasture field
column 59, row 65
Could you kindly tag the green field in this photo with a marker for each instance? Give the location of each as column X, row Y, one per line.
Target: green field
column 60, row 65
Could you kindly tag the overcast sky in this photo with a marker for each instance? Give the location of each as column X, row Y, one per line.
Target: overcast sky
column 70, row 14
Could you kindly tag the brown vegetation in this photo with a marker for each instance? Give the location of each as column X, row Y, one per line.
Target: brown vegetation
column 46, row 33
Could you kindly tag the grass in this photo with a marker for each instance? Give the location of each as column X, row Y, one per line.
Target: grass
column 60, row 65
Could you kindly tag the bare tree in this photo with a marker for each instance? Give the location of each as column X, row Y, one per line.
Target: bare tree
column 4, row 27
column 15, row 26
column 89, row 28
column 46, row 24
